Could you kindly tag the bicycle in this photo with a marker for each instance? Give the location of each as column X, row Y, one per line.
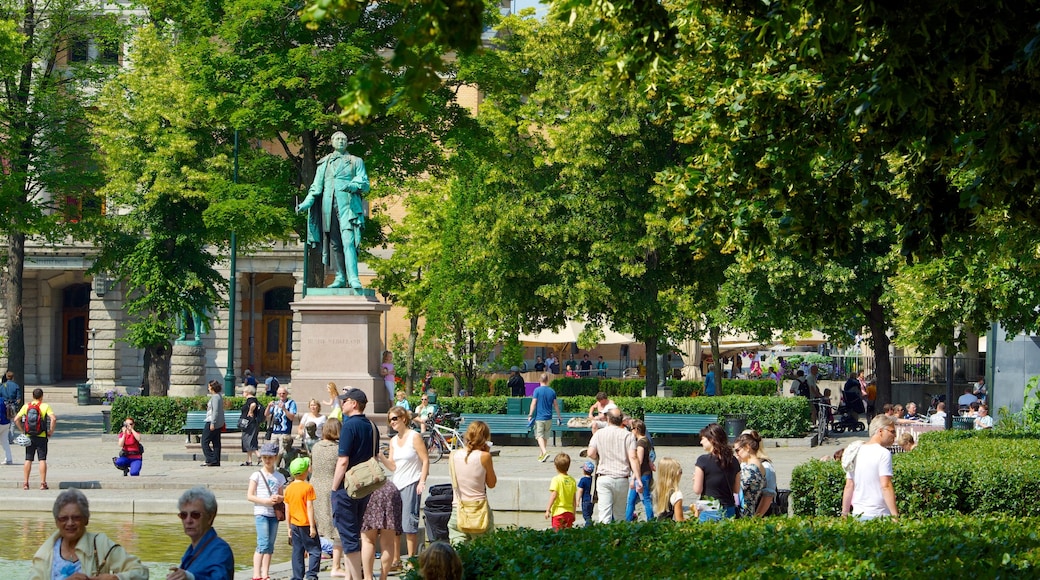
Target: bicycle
column 440, row 438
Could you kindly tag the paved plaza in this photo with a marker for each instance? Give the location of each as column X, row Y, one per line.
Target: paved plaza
column 80, row 456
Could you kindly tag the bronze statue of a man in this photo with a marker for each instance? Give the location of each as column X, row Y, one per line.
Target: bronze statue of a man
column 336, row 221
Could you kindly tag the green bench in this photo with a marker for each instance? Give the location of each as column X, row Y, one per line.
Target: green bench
column 677, row 424
column 499, row 424
column 195, row 422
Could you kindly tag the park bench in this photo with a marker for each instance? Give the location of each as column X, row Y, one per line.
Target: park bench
column 499, row 424
column 195, row 422
column 563, row 429
column 677, row 424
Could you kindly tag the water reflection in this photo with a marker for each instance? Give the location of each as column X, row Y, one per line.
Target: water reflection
column 158, row 540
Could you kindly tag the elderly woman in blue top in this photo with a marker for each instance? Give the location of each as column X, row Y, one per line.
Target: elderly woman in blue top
column 74, row 553
column 208, row 557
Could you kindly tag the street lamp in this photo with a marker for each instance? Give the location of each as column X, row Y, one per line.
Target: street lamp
column 229, row 375
column 102, row 283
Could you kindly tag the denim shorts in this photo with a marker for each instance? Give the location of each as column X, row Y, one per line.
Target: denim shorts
column 266, row 534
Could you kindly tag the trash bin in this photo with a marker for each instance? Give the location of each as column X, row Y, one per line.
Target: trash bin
column 735, row 425
column 106, row 418
column 83, row 394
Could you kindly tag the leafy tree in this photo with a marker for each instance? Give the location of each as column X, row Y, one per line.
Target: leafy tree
column 44, row 143
column 169, row 182
column 269, row 73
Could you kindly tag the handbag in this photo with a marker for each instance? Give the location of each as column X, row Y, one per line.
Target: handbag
column 243, row 423
column 474, row 516
column 364, row 478
column 279, row 508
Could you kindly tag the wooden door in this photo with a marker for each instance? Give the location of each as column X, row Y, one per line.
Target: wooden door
column 277, row 342
column 74, row 321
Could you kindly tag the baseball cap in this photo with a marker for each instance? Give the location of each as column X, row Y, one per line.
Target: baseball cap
column 589, row 467
column 299, row 465
column 355, row 394
column 514, row 369
column 269, row 449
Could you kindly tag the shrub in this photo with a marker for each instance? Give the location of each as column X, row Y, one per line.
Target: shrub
column 950, row 472
column 762, row 387
column 165, row 415
column 569, row 387
column 989, row 546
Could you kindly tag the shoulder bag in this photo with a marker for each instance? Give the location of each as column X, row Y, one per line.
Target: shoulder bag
column 474, row 516
column 364, row 478
column 279, row 508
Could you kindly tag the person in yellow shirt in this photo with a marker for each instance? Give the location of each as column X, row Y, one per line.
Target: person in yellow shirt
column 562, row 492
column 37, row 420
column 303, row 528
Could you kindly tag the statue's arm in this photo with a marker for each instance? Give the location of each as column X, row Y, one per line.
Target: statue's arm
column 359, row 184
column 315, row 189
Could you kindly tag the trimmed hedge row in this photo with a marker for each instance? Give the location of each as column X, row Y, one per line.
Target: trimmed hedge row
column 762, row 388
column 989, row 546
column 569, row 387
column 950, row 472
column 165, row 415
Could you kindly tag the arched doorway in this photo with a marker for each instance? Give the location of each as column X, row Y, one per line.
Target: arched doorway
column 75, row 316
column 277, row 331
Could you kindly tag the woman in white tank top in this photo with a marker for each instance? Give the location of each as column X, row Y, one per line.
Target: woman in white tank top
column 411, row 464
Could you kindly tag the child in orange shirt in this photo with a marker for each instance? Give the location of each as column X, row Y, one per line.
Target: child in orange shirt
column 299, row 514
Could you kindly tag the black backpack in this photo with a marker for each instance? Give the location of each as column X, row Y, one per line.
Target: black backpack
column 273, row 389
column 803, row 388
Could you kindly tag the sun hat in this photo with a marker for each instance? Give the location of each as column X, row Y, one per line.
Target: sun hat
column 589, row 467
column 270, row 449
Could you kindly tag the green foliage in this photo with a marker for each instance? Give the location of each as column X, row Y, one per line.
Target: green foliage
column 763, row 387
column 1026, row 421
column 566, row 387
column 991, row 546
column 165, row 415
column 950, row 472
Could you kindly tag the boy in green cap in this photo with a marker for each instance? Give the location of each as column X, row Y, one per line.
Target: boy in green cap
column 299, row 513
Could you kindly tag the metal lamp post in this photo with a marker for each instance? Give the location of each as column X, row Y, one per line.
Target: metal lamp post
column 229, row 375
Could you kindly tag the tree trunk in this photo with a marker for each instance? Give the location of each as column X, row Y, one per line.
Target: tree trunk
column 13, row 294
column 157, row 369
column 413, row 336
column 714, row 334
column 652, row 366
column 878, row 324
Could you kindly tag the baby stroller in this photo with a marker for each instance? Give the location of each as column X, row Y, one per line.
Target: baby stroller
column 437, row 512
column 847, row 420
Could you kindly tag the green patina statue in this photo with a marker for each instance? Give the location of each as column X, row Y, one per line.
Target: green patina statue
column 337, row 214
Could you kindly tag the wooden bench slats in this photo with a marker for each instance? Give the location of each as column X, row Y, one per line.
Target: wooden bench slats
column 499, row 424
column 195, row 422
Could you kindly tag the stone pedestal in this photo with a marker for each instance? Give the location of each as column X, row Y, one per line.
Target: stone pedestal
column 187, row 369
column 339, row 342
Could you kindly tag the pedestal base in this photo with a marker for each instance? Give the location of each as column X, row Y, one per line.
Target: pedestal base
column 187, row 370
column 339, row 343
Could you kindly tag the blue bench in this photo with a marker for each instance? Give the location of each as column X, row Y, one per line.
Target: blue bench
column 499, row 424
column 563, row 429
column 195, row 422
column 677, row 424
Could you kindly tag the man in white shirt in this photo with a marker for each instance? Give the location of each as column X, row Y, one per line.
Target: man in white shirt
column 618, row 468
column 939, row 417
column 868, row 491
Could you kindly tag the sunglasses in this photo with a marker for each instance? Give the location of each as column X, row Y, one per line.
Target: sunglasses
column 394, row 419
column 192, row 515
column 67, row 519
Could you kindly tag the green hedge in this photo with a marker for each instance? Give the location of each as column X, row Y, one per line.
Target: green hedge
column 762, row 388
column 950, row 472
column 165, row 415
column 967, row 547
column 568, row 387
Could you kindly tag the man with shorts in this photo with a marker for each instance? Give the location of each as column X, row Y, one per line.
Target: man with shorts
column 355, row 447
column 39, row 431
column 543, row 402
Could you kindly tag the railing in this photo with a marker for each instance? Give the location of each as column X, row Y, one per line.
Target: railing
column 911, row 369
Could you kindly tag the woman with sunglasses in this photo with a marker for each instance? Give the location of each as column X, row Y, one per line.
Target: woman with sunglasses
column 73, row 552
column 208, row 557
column 410, row 463
column 424, row 411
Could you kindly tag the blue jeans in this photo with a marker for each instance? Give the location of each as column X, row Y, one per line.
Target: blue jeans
column 303, row 543
column 266, row 533
column 648, row 504
column 726, row 512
